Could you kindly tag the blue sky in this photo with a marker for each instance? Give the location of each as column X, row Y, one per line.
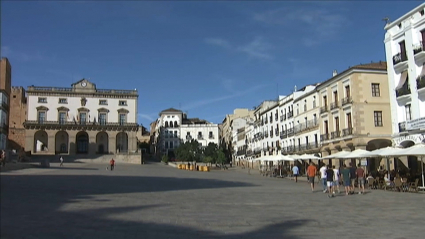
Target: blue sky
column 206, row 58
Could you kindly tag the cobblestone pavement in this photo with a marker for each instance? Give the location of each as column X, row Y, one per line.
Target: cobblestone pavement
column 158, row 201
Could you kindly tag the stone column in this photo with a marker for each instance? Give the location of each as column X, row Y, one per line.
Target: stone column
column 29, row 140
column 72, row 147
column 112, row 142
column 335, row 161
column 51, row 142
column 92, row 142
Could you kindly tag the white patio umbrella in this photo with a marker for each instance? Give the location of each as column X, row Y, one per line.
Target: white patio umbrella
column 383, row 152
column 336, row 155
column 358, row 153
column 280, row 158
column 308, row 156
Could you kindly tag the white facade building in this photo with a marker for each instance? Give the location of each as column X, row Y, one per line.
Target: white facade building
column 261, row 128
column 173, row 127
column 271, row 141
column 287, row 133
column 405, row 53
column 306, row 121
column 81, row 120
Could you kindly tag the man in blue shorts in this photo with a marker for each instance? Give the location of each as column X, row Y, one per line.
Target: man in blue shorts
column 346, row 178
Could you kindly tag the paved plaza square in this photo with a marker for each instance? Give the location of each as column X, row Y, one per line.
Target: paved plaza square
column 158, row 201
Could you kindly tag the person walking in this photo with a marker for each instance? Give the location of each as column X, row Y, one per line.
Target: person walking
column 353, row 177
column 336, row 179
column 3, row 158
column 61, row 160
column 112, row 164
column 346, row 178
column 330, row 180
column 360, row 178
column 311, row 174
column 295, row 172
column 323, row 177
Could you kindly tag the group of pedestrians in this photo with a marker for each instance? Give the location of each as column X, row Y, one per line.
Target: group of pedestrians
column 331, row 178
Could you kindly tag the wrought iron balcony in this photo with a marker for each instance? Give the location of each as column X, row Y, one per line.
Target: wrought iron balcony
column 281, row 118
column 420, row 82
column 266, row 134
column 271, row 133
column 397, row 58
column 335, row 134
column 323, row 109
column 347, row 100
column 402, row 127
column 290, row 114
column 312, row 146
column 71, row 123
column 418, row 48
column 405, row 90
column 334, row 105
column 290, row 132
column 324, row 137
column 347, row 131
column 282, row 134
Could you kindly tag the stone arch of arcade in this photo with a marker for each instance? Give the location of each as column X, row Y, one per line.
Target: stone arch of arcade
column 61, row 142
column 122, row 142
column 82, row 142
column 102, row 143
column 41, row 141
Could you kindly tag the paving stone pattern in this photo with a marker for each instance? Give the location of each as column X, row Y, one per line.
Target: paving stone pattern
column 157, row 201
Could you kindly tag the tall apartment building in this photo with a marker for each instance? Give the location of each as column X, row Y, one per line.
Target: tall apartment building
column 81, row 120
column 306, row 121
column 5, row 88
column 261, row 127
column 226, row 131
column 17, row 117
column 405, row 52
column 355, row 110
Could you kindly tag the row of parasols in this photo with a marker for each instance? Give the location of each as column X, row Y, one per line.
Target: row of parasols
column 388, row 152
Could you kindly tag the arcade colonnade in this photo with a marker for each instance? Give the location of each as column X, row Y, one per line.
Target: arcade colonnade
column 72, row 142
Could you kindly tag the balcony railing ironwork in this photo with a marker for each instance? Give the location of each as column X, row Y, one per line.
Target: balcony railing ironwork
column 323, row 109
column 82, row 123
column 405, row 90
column 335, row 134
column 282, row 134
column 418, row 48
column 347, row 100
column 334, row 105
column 402, row 126
column 281, row 118
column 290, row 114
column 347, row 131
column 397, row 58
column 290, row 131
column 420, row 82
column 324, row 137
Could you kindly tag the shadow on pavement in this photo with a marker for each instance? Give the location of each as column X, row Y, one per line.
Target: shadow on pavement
column 35, row 206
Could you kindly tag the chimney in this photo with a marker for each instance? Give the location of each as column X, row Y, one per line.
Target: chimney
column 334, row 73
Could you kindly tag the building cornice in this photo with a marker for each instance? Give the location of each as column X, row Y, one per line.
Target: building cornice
column 404, row 17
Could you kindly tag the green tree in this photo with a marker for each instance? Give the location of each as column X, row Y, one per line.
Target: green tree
column 211, row 150
column 208, row 159
column 221, row 157
column 189, row 151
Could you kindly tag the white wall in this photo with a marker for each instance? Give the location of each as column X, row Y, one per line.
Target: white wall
column 75, row 102
column 204, row 128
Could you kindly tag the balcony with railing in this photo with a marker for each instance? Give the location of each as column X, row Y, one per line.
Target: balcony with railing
column 334, row 105
column 402, row 127
column 347, row 132
column 271, row 133
column 281, row 118
column 418, row 51
column 266, row 121
column 398, row 58
column 336, row 134
column 282, row 134
column 323, row 109
column 290, row 132
column 266, row 134
column 324, row 137
column 420, row 82
column 312, row 146
column 290, row 114
column 404, row 90
column 347, row 100
column 400, row 62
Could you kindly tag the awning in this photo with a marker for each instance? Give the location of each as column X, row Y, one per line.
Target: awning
column 403, row 79
column 423, row 71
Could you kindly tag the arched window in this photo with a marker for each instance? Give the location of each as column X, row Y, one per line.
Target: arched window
column 171, row 124
column 166, row 123
column 175, row 124
column 63, row 148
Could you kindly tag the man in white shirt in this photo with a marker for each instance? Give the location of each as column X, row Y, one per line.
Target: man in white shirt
column 295, row 172
column 336, row 179
column 323, row 177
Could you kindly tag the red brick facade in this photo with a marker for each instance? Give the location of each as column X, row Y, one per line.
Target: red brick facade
column 17, row 116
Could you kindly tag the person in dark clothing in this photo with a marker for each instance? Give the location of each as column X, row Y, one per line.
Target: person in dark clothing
column 330, row 180
column 353, row 177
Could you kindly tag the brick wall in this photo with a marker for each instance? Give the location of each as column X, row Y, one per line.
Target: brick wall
column 17, row 116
